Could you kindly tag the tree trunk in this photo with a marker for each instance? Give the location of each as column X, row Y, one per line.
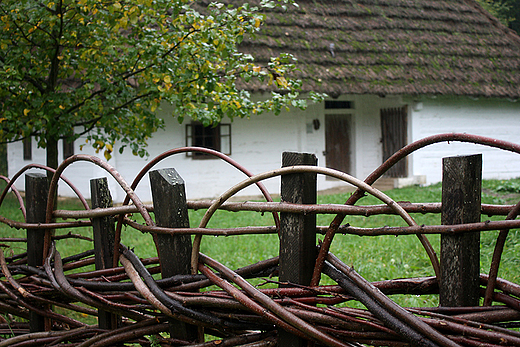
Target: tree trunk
column 52, row 162
column 52, row 154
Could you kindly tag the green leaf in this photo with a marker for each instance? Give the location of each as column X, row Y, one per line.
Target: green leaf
column 105, row 68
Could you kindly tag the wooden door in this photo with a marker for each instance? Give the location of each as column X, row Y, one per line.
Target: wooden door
column 337, row 142
column 394, row 137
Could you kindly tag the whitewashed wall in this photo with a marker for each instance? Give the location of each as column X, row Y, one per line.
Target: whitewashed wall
column 258, row 143
column 499, row 119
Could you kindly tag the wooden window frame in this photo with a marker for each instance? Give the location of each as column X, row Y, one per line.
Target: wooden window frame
column 217, row 138
column 68, row 149
column 27, row 148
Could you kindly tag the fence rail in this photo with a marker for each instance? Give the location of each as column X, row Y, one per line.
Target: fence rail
column 137, row 301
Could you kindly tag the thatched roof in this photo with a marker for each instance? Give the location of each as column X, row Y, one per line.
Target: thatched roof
column 410, row 47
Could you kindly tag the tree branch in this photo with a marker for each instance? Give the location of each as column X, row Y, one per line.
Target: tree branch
column 47, row 8
column 90, row 127
column 55, row 61
column 92, row 122
column 35, row 83
column 90, row 97
column 130, row 74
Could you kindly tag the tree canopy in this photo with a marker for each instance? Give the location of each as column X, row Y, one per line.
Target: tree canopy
column 102, row 68
column 507, row 11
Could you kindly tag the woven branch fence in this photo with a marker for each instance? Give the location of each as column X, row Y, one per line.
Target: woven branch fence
column 181, row 297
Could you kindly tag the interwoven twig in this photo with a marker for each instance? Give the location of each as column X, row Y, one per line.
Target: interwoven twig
column 238, row 312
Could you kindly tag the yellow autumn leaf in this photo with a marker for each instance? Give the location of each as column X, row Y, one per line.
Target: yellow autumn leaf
column 109, row 147
column 282, row 82
column 167, row 79
column 26, row 112
column 257, row 22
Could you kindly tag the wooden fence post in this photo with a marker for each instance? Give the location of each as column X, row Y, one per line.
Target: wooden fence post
column 36, row 193
column 171, row 210
column 104, row 238
column 460, row 253
column 297, row 231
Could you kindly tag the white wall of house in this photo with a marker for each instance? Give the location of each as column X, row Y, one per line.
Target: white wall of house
column 257, row 144
column 498, row 119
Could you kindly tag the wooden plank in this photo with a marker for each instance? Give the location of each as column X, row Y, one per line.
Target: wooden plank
column 338, row 144
column 394, row 130
column 297, row 231
column 104, row 238
column 460, row 253
column 36, row 194
column 171, row 210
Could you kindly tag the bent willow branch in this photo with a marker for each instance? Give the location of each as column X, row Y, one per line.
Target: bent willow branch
column 125, row 301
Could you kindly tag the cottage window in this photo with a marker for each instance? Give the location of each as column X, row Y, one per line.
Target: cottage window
column 27, row 148
column 213, row 137
column 68, row 148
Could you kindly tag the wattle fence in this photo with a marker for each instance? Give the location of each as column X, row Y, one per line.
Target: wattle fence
column 183, row 297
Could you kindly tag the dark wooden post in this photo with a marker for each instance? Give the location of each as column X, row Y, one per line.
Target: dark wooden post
column 460, row 253
column 171, row 210
column 104, row 238
column 298, row 231
column 36, row 193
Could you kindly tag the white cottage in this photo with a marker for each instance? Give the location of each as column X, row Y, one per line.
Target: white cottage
column 396, row 71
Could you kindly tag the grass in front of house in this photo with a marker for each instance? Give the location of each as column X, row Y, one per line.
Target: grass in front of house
column 375, row 258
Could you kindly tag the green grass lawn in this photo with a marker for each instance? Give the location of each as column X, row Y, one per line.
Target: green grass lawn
column 375, row 258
